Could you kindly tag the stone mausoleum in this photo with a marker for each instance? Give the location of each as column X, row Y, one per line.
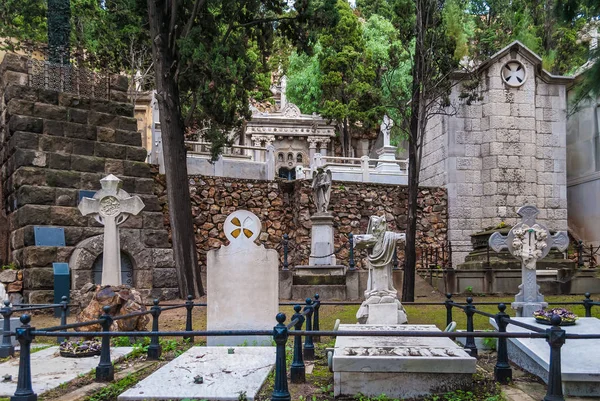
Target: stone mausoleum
column 504, row 150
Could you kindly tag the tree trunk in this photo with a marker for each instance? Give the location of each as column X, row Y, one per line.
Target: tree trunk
column 410, row 252
column 171, row 122
column 345, row 139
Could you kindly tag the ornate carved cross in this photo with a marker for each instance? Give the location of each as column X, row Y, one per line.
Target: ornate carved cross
column 111, row 206
column 529, row 241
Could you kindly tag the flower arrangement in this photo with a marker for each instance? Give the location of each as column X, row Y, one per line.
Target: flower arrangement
column 80, row 349
column 567, row 317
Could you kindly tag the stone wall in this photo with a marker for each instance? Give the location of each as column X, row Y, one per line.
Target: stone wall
column 503, row 151
column 285, row 207
column 53, row 145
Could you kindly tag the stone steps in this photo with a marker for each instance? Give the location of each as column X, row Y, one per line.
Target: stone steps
column 328, row 292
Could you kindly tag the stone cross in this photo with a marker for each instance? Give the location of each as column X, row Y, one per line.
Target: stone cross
column 111, row 206
column 529, row 241
column 386, row 129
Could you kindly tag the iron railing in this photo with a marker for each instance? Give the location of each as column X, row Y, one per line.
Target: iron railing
column 308, row 316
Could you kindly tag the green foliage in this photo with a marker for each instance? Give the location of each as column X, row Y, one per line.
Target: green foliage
column 10, row 266
column 304, row 80
column 351, row 94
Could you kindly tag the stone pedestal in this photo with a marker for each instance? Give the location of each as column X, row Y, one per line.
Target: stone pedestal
column 387, row 160
column 399, row 367
column 321, row 250
column 383, row 314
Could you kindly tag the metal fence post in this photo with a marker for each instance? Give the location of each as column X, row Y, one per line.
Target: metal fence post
column 580, row 254
column 587, row 304
column 470, row 346
column 280, row 335
column 351, row 263
column 555, row 338
column 189, row 306
column 315, row 325
column 105, row 371
column 154, row 349
column 64, row 310
column 309, row 347
column 395, row 260
column 502, row 370
column 298, row 371
column 6, row 348
column 286, row 239
column 448, row 303
column 24, row 390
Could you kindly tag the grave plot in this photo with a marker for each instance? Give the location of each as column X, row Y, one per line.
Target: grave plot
column 207, row 373
column 400, row 367
column 579, row 358
column 49, row 370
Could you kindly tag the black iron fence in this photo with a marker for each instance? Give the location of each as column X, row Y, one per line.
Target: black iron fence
column 587, row 256
column 433, row 257
column 307, row 316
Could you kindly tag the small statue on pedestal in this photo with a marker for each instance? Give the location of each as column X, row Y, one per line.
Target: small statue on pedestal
column 380, row 285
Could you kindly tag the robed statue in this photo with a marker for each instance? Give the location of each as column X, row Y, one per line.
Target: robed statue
column 321, row 186
column 380, row 284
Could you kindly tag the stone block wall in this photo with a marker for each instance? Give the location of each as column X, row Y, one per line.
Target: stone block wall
column 504, row 151
column 285, row 207
column 54, row 144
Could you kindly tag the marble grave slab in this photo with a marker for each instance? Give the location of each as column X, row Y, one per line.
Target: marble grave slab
column 579, row 358
column 400, row 367
column 224, row 375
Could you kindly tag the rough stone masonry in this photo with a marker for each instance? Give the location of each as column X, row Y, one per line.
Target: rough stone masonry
column 52, row 146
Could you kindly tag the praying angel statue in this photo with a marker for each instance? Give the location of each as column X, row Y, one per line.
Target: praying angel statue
column 380, row 285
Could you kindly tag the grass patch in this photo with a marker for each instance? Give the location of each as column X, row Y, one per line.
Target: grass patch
column 111, row 391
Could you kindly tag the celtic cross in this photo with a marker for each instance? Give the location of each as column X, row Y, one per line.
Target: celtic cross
column 111, row 206
column 529, row 241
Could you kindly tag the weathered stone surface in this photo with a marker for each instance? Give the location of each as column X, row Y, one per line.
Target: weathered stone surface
column 26, row 140
column 110, row 150
column 8, row 276
column 164, row 278
column 38, row 278
column 137, row 169
column 24, row 123
column 41, row 256
column 122, row 301
column 59, row 161
column 156, row 238
column 39, row 296
column 80, row 131
column 88, row 163
column 28, row 194
column 137, row 154
column 113, row 166
column 83, row 147
column 56, row 144
column 105, row 134
column 77, row 116
column 131, row 138
column 288, row 211
column 66, row 216
column 163, row 257
column 20, row 92
column 32, row 215
column 63, row 179
column 71, row 100
column 51, row 112
column 19, row 107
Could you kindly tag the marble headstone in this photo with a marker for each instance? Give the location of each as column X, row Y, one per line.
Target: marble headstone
column 243, row 283
column 111, row 206
column 529, row 241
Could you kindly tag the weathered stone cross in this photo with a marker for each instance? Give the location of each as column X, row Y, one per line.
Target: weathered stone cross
column 111, row 206
column 529, row 241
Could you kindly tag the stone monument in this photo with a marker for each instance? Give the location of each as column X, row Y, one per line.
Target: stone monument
column 243, row 283
column 529, row 241
column 111, row 206
column 381, row 305
column 322, row 250
column 387, row 153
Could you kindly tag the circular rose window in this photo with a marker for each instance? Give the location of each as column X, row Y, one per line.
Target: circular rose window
column 514, row 73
